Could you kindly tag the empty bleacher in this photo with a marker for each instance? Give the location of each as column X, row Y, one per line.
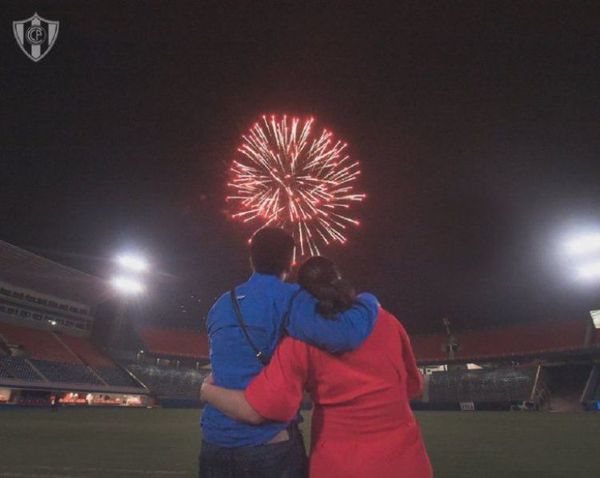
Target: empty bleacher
column 3, row 371
column 66, row 372
column 175, row 342
column 494, row 385
column 170, row 382
column 530, row 340
column 19, row 368
column 40, row 344
column 117, row 377
column 104, row 367
column 47, row 356
column 169, row 366
column 86, row 351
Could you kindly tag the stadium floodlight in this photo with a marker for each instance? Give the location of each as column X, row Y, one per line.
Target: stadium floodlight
column 133, row 262
column 584, row 244
column 589, row 271
column 595, row 318
column 127, row 285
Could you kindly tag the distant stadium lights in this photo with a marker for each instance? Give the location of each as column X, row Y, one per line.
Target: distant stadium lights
column 589, row 271
column 595, row 318
column 584, row 249
column 127, row 285
column 133, row 262
column 584, row 245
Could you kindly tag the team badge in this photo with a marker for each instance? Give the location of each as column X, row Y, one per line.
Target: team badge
column 35, row 36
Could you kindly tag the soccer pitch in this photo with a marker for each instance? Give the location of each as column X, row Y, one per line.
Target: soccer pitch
column 164, row 443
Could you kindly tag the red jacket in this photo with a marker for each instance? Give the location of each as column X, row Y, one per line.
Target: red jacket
column 362, row 423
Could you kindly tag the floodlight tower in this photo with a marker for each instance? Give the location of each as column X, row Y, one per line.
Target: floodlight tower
column 129, row 285
column 451, row 346
column 585, row 250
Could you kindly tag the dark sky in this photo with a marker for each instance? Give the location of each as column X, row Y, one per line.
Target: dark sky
column 477, row 126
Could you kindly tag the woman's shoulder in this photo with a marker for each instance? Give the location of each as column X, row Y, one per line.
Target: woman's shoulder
column 386, row 316
column 389, row 320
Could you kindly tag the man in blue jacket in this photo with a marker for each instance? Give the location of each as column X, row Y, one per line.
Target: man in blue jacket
column 244, row 327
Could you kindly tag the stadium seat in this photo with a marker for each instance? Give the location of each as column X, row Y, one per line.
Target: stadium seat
column 4, row 372
column 63, row 372
column 117, row 377
column 40, row 344
column 19, row 368
column 175, row 342
column 167, row 382
column 495, row 385
column 524, row 339
column 86, row 351
column 59, row 358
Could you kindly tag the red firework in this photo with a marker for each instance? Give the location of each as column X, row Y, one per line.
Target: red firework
column 288, row 175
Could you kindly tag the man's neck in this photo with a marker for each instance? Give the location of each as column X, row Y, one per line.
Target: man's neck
column 280, row 277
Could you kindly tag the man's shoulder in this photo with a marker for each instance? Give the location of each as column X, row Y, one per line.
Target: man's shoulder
column 276, row 289
column 288, row 287
column 224, row 297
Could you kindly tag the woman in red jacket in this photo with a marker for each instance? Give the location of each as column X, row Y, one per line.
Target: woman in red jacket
column 362, row 424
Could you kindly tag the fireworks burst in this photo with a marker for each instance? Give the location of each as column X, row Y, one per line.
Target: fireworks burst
column 289, row 176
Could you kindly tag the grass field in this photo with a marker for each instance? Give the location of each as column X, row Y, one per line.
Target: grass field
column 115, row 443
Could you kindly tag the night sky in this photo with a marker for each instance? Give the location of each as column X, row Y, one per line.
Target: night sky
column 477, row 126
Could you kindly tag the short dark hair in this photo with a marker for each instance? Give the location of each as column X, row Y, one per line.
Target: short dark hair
column 271, row 251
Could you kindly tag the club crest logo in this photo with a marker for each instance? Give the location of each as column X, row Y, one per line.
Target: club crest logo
column 35, row 36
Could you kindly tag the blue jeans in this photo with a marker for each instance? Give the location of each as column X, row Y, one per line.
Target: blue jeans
column 286, row 459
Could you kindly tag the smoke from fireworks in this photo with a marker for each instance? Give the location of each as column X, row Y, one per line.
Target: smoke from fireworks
column 288, row 175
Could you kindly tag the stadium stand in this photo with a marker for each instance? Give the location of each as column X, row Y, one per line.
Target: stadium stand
column 66, row 372
column 85, row 351
column 509, row 341
column 45, row 326
column 117, row 377
column 20, row 368
column 496, row 385
column 166, row 382
column 527, row 366
column 41, row 344
column 3, row 371
column 47, row 354
column 170, row 364
column 51, row 358
column 45, row 346
column 104, row 367
column 175, row 342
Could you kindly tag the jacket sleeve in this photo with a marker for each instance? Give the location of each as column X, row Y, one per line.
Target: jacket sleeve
column 343, row 333
column 276, row 392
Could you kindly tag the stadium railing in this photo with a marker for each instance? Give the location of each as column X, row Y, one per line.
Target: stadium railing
column 495, row 385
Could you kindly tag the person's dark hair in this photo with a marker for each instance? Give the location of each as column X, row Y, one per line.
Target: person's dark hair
column 321, row 277
column 271, row 251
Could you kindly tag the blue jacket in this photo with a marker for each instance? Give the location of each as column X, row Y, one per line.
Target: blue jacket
column 265, row 301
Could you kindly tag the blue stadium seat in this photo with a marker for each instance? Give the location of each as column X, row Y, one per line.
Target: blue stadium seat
column 63, row 372
column 17, row 367
column 170, row 382
column 116, row 377
column 494, row 385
